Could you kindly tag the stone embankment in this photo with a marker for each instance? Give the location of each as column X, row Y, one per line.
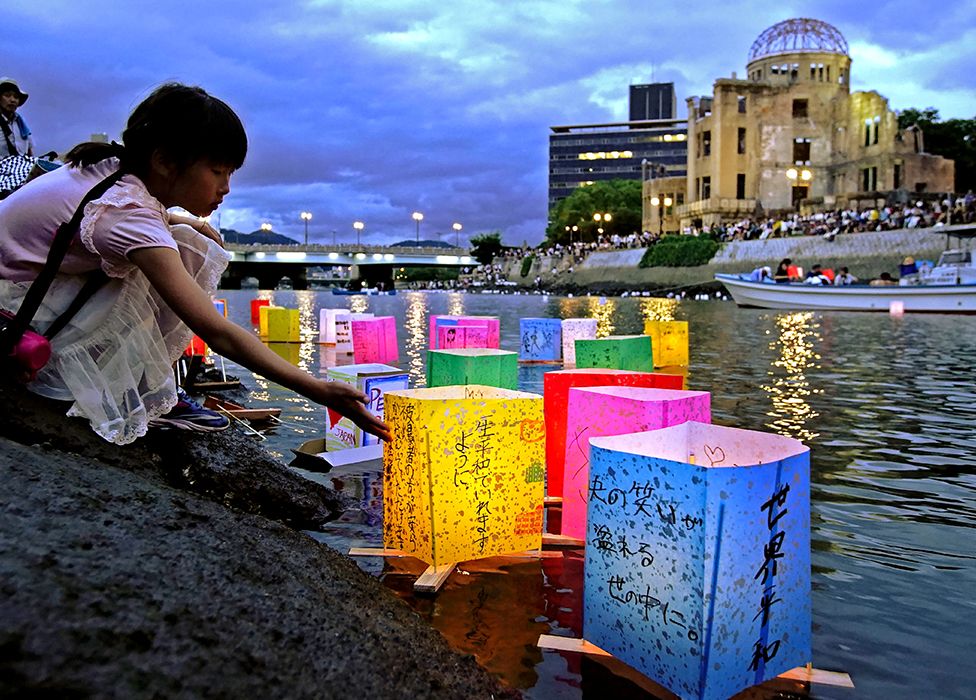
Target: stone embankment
column 173, row 568
column 866, row 254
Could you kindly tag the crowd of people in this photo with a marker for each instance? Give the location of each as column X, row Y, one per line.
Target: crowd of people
column 917, row 214
column 787, row 272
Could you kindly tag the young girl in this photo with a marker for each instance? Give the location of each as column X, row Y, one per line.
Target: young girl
column 114, row 359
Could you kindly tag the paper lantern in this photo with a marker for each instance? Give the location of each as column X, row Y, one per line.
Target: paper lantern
column 540, row 340
column 449, row 337
column 491, row 323
column 255, row 305
column 374, row 339
column 283, row 325
column 263, row 319
column 327, row 323
column 221, row 306
column 669, row 340
column 631, row 352
column 486, row 366
column 556, row 386
column 576, row 329
column 343, row 331
column 197, row 346
column 374, row 380
column 463, row 474
column 616, row 410
column 697, row 566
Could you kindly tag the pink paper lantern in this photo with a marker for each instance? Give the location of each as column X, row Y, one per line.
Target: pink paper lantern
column 556, row 386
column 375, row 340
column 491, row 323
column 462, row 337
column 616, row 410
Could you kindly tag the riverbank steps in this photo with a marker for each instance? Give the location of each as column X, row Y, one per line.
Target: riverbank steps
column 866, row 254
column 172, row 568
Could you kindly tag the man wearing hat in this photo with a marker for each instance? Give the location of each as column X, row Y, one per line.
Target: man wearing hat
column 16, row 139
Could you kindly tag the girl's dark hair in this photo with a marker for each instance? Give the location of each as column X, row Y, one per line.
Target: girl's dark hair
column 183, row 122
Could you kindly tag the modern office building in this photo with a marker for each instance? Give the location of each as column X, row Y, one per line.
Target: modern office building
column 791, row 135
column 656, row 143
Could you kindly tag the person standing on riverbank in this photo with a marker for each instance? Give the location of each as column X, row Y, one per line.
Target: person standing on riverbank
column 114, row 358
column 17, row 139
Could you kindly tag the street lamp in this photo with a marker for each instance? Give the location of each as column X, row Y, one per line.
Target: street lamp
column 359, row 226
column 457, row 232
column 306, row 217
column 571, row 230
column 418, row 217
column 602, row 217
column 662, row 205
column 266, row 226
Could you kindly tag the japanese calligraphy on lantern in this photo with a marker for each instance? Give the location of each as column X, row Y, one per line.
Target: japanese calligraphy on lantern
column 457, row 337
column 610, row 410
column 459, row 483
column 698, row 556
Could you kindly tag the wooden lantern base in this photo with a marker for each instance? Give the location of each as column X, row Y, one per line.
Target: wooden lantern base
column 802, row 674
column 431, row 580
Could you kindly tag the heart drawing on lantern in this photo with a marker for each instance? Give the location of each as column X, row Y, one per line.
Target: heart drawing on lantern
column 714, row 455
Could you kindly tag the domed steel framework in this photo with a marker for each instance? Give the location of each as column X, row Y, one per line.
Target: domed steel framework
column 798, row 36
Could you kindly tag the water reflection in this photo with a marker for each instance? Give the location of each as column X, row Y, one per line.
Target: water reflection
column 415, row 343
column 359, row 303
column 602, row 309
column 455, row 304
column 789, row 389
column 289, row 352
column 658, row 308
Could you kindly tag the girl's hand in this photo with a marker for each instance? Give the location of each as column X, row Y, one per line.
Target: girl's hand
column 352, row 404
column 199, row 225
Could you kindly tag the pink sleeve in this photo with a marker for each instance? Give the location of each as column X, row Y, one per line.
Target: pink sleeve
column 121, row 231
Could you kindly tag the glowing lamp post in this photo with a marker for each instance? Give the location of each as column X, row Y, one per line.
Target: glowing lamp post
column 418, row 217
column 601, row 218
column 662, row 204
column 457, row 232
column 306, row 217
column 265, row 226
column 359, row 226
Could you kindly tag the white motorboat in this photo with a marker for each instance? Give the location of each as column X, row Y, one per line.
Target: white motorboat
column 949, row 287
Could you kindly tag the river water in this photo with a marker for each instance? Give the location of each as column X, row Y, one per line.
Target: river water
column 887, row 406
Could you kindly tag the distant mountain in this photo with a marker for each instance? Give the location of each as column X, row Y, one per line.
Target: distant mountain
column 256, row 237
column 422, row 244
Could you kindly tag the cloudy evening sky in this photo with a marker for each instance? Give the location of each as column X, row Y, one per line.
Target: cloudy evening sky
column 374, row 109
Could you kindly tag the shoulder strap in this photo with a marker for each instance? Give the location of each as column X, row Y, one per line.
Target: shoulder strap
column 59, row 248
column 8, row 136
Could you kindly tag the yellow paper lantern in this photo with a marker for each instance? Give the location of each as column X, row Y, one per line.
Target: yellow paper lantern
column 283, row 325
column 463, row 473
column 669, row 342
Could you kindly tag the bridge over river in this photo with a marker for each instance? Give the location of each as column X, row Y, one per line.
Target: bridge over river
column 323, row 265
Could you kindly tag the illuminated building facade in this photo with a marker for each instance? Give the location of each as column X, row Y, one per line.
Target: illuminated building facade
column 792, row 136
column 654, row 144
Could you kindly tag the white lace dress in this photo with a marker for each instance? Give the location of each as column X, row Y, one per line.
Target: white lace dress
column 114, row 359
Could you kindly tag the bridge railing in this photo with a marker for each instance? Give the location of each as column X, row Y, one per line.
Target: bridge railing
column 343, row 248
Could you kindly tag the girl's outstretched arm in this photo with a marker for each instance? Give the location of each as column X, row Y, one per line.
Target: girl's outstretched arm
column 164, row 269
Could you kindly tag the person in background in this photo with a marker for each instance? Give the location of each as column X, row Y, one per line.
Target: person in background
column 761, row 274
column 907, row 267
column 844, row 277
column 783, row 271
column 17, row 139
column 883, row 280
